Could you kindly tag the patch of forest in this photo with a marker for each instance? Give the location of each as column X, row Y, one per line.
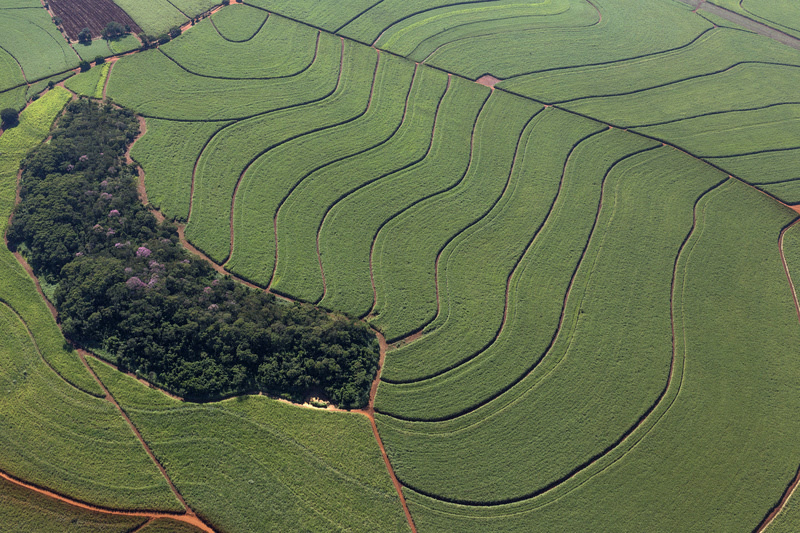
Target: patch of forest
column 125, row 286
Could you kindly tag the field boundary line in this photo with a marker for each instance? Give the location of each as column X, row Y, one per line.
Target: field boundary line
column 712, row 113
column 357, row 16
column 414, row 80
column 556, row 334
column 519, row 260
column 241, row 40
column 354, row 190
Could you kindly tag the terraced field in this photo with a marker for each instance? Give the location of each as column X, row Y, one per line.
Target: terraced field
column 583, row 275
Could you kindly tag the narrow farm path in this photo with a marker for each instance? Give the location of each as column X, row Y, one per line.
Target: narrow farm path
column 745, row 22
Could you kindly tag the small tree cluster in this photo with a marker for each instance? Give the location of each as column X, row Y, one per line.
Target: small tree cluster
column 9, row 117
column 85, row 36
column 113, row 30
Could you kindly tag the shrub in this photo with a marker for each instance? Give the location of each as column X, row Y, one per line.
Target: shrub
column 99, row 60
column 85, row 65
column 174, row 32
column 85, row 36
column 9, row 117
column 113, row 30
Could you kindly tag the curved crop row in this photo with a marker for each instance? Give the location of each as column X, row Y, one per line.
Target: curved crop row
column 31, row 38
column 232, row 149
column 602, row 34
column 297, row 272
column 345, row 251
column 326, row 14
column 407, row 248
column 154, row 86
column 475, row 267
column 239, row 23
column 278, row 466
column 10, row 72
column 714, row 50
column 735, row 396
column 52, row 434
column 267, row 183
column 538, row 293
column 281, row 48
column 775, row 172
column 607, row 367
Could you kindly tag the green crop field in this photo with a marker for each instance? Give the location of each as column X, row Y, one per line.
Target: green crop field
column 579, row 268
column 263, row 465
column 24, row 511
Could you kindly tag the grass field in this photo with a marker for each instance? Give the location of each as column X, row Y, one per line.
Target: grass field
column 89, row 83
column 10, row 72
column 24, row 511
column 239, row 23
column 252, row 464
column 154, row 16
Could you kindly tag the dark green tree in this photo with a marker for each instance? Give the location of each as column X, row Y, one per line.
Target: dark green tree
column 113, row 30
column 85, row 36
column 9, row 117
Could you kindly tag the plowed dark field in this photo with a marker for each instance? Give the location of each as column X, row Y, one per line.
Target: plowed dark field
column 93, row 14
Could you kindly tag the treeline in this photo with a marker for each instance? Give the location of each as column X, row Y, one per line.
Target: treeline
column 127, row 288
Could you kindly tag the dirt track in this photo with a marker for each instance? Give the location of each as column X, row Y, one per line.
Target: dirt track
column 745, row 22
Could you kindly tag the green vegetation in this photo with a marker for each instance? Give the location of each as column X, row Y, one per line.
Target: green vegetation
column 31, row 37
column 153, row 85
column 10, row 73
column 168, row 153
column 298, row 268
column 165, row 525
column 230, row 150
column 280, row 48
column 702, row 456
column 154, row 16
column 89, row 83
column 774, row 172
column 406, row 249
column 345, row 253
column 124, row 283
column 14, row 98
column 16, row 288
column 239, row 22
column 40, row 86
column 326, row 14
column 46, row 424
column 255, row 464
column 287, row 165
column 25, row 511
column 89, row 51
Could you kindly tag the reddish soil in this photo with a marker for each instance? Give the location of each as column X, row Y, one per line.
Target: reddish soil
column 488, row 81
column 77, row 503
column 93, row 14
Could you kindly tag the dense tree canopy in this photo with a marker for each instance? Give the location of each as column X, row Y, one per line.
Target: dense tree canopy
column 127, row 288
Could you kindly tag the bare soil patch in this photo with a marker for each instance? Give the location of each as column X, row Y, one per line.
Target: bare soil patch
column 488, row 80
column 93, row 14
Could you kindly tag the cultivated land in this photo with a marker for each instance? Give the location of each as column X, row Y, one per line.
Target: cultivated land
column 585, row 273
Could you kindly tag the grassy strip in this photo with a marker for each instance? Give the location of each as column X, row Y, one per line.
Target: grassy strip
column 714, row 50
column 280, row 48
column 31, row 37
column 579, row 37
column 608, row 366
column 233, row 149
column 297, row 272
column 485, row 255
column 46, row 425
column 14, row 98
column 737, row 132
column 16, row 288
column 345, row 252
column 749, row 85
column 254, row 464
column 725, row 451
column 239, row 23
column 152, row 85
column 168, row 153
column 406, row 249
column 283, row 167
column 85, row 83
column 101, row 83
column 536, row 297
column 24, row 511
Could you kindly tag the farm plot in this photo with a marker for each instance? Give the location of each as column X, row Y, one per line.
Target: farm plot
column 32, row 39
column 271, row 178
column 155, row 17
column 536, row 300
column 777, row 172
column 703, row 458
column 621, row 363
column 345, row 253
column 168, row 153
column 231, row 150
column 14, row 98
column 281, row 48
column 254, row 464
column 10, row 72
column 406, row 250
column 714, row 50
column 239, row 23
column 328, row 15
column 46, row 424
column 297, row 271
column 783, row 15
column 486, row 254
column 95, row 15
column 23, row 511
column 89, row 83
column 155, row 86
